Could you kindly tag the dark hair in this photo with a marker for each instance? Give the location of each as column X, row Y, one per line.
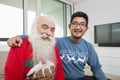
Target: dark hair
column 79, row 14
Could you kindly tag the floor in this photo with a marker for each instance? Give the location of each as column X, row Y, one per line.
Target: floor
column 109, row 76
column 3, row 56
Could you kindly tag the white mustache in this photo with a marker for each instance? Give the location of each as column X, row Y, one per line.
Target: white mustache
column 46, row 36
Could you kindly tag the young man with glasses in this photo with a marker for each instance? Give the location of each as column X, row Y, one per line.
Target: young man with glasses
column 76, row 52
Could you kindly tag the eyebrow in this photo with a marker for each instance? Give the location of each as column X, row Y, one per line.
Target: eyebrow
column 78, row 22
column 44, row 25
column 48, row 26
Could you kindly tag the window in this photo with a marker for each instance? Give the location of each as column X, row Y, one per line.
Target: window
column 17, row 16
column 11, row 18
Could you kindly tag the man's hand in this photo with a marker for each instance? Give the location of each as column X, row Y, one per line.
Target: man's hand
column 14, row 41
column 42, row 71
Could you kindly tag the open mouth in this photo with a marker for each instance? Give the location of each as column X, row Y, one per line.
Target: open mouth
column 78, row 31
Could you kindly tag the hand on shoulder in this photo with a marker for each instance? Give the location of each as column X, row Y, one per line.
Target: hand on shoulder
column 15, row 41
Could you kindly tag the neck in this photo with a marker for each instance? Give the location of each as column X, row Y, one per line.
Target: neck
column 75, row 39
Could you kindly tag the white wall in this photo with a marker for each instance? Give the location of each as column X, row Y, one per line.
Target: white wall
column 4, row 46
column 100, row 12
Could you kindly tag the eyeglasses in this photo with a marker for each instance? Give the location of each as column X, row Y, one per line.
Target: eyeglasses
column 75, row 24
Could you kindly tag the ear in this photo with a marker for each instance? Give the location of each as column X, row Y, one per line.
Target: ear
column 86, row 27
column 69, row 25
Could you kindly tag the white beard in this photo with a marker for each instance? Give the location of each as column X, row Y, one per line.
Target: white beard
column 42, row 49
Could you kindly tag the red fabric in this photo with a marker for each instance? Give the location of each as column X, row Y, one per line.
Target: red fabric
column 59, row 71
column 15, row 65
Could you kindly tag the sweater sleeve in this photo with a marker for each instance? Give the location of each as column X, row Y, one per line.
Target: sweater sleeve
column 95, row 65
column 59, row 75
column 14, row 67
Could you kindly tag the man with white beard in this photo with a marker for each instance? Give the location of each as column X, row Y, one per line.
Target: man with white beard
column 37, row 58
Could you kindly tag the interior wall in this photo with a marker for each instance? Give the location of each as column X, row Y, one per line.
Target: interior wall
column 102, row 12
column 4, row 46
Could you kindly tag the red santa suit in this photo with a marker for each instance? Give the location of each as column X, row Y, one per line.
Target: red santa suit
column 19, row 62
